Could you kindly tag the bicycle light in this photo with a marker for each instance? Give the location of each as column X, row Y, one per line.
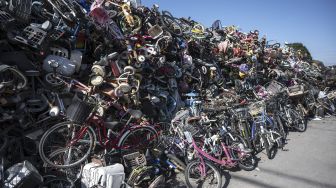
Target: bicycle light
column 54, row 111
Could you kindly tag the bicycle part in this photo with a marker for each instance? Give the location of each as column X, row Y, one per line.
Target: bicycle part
column 138, row 139
column 66, row 145
column 202, row 173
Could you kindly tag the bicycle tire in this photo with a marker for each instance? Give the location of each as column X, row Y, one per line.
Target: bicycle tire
column 166, row 25
column 48, row 183
column 281, row 127
column 328, row 107
column 49, row 132
column 300, row 122
column 127, row 134
column 207, row 164
column 158, row 182
column 247, row 167
column 266, row 146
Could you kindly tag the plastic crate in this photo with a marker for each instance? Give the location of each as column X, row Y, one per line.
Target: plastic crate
column 32, row 36
column 108, row 176
column 22, row 175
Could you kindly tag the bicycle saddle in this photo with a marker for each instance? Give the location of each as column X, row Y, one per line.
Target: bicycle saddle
column 135, row 114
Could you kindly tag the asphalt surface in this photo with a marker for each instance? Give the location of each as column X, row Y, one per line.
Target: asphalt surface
column 309, row 160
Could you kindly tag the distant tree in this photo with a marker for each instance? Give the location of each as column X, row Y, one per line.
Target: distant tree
column 300, row 48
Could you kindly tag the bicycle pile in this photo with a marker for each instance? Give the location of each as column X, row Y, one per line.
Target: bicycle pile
column 107, row 93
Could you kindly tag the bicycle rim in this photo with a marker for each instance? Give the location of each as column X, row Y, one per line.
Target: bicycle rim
column 55, row 148
column 138, row 139
column 194, row 177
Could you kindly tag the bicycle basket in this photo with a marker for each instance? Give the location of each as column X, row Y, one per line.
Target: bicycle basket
column 256, row 108
column 214, row 105
column 241, row 113
column 134, row 160
column 189, row 128
column 296, row 90
column 274, row 87
column 332, row 95
column 79, row 111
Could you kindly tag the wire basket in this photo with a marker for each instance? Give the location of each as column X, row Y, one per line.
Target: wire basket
column 256, row 108
column 274, row 87
column 190, row 128
column 242, row 113
column 332, row 95
column 79, row 111
column 134, row 160
column 294, row 91
column 214, row 105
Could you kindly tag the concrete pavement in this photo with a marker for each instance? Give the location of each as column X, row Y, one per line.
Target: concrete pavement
column 309, row 162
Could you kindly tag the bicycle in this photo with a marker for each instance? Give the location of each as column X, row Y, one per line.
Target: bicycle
column 71, row 142
column 219, row 148
column 289, row 116
column 264, row 131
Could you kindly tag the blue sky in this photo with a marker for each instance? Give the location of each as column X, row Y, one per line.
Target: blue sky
column 312, row 22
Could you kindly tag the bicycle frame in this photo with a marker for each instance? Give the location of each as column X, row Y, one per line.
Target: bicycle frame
column 97, row 126
column 102, row 137
column 229, row 162
column 264, row 120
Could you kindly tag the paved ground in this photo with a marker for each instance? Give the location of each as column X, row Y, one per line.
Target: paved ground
column 310, row 161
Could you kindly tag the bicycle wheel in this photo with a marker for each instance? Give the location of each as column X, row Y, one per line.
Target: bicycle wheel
column 239, row 150
column 267, row 146
column 257, row 143
column 280, row 127
column 138, row 139
column 66, row 145
column 328, row 106
column 210, row 177
column 57, row 182
column 171, row 25
column 300, row 123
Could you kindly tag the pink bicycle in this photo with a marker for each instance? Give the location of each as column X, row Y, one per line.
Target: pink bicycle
column 214, row 145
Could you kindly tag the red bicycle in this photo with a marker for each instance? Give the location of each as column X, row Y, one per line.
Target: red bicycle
column 70, row 143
